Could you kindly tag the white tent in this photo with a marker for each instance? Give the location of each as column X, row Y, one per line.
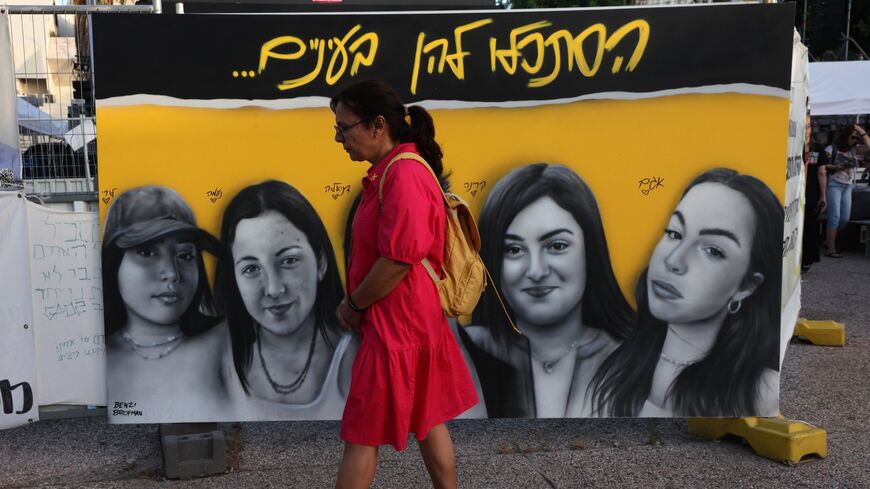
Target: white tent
column 840, row 88
column 38, row 121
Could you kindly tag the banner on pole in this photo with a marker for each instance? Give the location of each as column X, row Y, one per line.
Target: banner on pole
column 17, row 357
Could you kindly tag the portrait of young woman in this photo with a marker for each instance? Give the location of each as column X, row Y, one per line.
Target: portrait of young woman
column 278, row 284
column 707, row 338
column 163, row 346
column 544, row 244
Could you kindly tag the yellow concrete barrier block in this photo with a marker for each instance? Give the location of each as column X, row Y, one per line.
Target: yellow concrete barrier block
column 823, row 333
column 773, row 438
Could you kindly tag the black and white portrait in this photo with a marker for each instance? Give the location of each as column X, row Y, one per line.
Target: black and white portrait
column 544, row 245
column 707, row 338
column 278, row 283
column 163, row 345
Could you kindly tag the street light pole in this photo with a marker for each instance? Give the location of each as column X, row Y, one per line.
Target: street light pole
column 804, row 30
column 848, row 21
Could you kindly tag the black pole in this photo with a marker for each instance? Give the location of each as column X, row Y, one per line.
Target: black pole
column 848, row 21
column 804, row 30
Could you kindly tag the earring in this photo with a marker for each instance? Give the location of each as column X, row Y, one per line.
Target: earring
column 734, row 306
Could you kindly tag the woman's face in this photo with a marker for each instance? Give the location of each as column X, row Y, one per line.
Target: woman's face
column 158, row 280
column 543, row 271
column 277, row 272
column 701, row 261
column 354, row 135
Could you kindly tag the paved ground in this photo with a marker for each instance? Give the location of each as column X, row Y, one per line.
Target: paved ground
column 825, row 386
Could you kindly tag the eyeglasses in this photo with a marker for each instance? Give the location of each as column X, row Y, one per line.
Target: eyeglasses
column 342, row 130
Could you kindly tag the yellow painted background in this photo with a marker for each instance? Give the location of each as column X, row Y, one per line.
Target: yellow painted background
column 610, row 144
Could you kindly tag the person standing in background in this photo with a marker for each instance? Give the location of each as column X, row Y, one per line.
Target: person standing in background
column 814, row 203
column 842, row 161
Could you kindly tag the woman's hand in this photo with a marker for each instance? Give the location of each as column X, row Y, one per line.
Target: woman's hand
column 821, row 206
column 859, row 130
column 347, row 318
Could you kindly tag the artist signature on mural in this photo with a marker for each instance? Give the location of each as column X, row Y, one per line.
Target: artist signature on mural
column 214, row 195
column 108, row 195
column 647, row 185
column 337, row 189
column 125, row 409
column 474, row 187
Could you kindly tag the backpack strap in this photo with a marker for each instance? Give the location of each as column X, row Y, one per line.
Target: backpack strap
column 428, row 266
column 503, row 307
column 405, row 156
column 411, row 156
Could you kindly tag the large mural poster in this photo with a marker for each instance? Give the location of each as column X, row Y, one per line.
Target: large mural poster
column 627, row 168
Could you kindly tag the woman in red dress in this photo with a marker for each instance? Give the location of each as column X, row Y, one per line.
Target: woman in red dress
column 409, row 374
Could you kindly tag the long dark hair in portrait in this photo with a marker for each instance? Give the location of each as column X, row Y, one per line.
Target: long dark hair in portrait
column 252, row 202
column 370, row 98
column 603, row 305
column 726, row 381
column 201, row 315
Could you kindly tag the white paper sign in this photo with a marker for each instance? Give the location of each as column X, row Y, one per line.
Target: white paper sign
column 67, row 305
column 18, row 385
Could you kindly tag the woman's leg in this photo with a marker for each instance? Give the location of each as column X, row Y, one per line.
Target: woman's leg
column 845, row 207
column 438, row 455
column 835, row 191
column 357, row 467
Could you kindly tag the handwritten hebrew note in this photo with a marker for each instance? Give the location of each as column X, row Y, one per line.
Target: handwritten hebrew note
column 67, row 297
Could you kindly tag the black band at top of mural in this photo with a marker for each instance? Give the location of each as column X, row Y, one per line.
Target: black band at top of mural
column 480, row 56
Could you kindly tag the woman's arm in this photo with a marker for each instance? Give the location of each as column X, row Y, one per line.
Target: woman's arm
column 384, row 276
column 865, row 141
column 823, row 188
column 381, row 279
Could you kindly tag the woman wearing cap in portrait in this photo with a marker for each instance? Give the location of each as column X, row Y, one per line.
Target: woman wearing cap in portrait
column 543, row 242
column 278, row 282
column 707, row 338
column 163, row 346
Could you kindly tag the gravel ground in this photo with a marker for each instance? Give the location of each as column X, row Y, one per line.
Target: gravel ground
column 824, row 386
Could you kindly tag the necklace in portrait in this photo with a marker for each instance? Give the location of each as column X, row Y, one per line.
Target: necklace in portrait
column 171, row 343
column 676, row 362
column 549, row 365
column 296, row 384
column 682, row 363
column 582, row 351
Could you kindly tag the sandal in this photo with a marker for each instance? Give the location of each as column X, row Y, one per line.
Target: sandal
column 835, row 254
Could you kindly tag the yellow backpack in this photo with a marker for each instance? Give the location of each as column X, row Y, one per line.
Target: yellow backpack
column 463, row 270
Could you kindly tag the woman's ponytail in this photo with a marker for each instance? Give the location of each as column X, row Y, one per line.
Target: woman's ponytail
column 423, row 133
column 372, row 98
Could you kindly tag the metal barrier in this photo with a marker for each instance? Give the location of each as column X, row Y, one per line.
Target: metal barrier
column 55, row 97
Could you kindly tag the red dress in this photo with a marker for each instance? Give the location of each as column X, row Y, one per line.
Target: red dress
column 408, row 375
